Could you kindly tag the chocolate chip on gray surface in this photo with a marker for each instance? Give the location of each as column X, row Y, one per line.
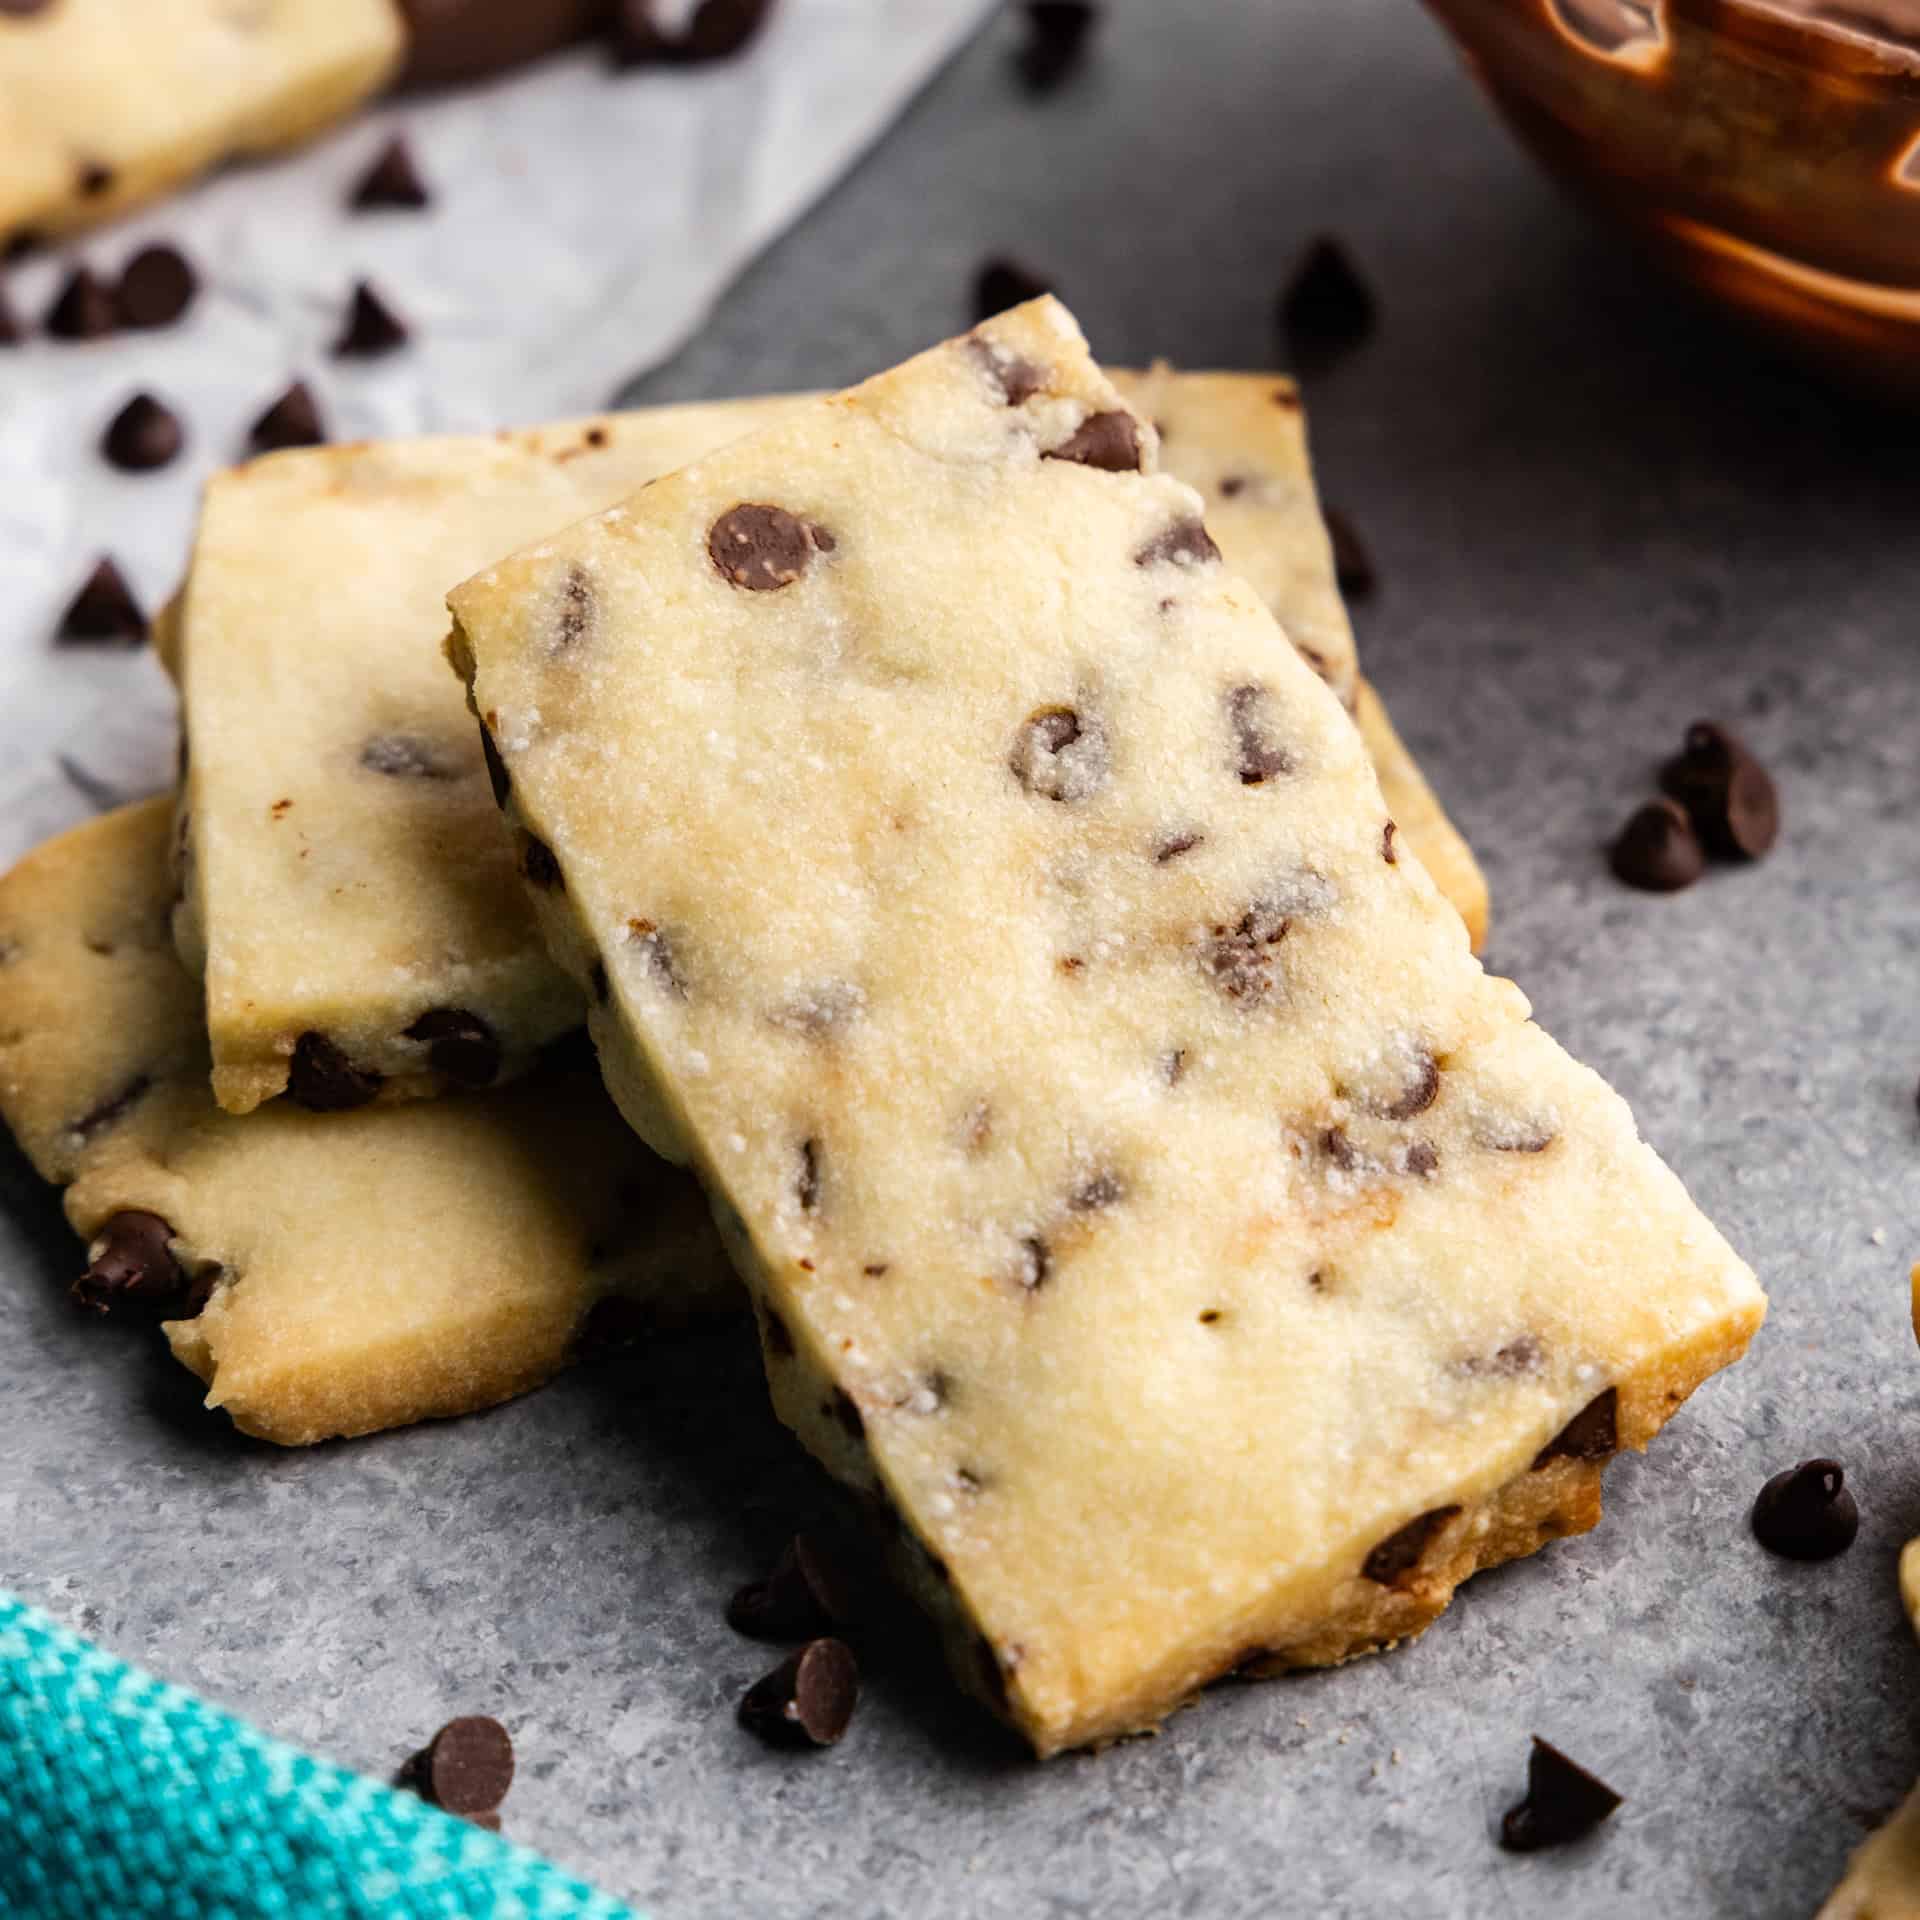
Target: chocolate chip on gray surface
column 1326, row 307
column 408, row 756
column 807, row 1700
column 1592, row 1434
column 1059, row 756
column 1352, row 562
column 460, row 1045
column 763, row 548
column 1259, row 758
column 293, row 420
column 84, row 308
column 156, row 287
column 1728, row 795
column 1002, row 282
column 130, row 1263
column 393, row 181
column 716, row 30
column 1657, row 851
column 324, row 1080
column 466, row 1768
column 1400, row 1552
column 1807, row 1513
column 103, row 611
column 143, row 435
column 808, row 1593
column 1057, row 32
column 372, row 327
column 1186, row 543
column 1109, row 441
column 1564, row 1802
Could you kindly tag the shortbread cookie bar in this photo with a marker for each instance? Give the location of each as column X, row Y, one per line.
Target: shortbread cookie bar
column 104, row 104
column 1150, row 1205
column 360, row 1272
column 349, row 897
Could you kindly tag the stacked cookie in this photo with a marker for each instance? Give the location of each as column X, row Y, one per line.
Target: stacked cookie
column 1149, row 1206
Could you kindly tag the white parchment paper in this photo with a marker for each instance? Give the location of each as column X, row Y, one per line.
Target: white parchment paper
column 583, row 222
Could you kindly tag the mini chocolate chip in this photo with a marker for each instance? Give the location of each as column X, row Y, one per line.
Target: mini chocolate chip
column 372, row 328
column 1173, row 1065
column 1059, row 756
column 576, row 615
column 1807, row 1513
column 1657, row 850
column 661, row 961
column 1728, row 795
column 1564, row 1802
column 1352, row 563
column 1001, row 283
column 1232, row 487
column 806, row 1185
column 392, row 181
column 497, row 777
column 1511, row 1134
column 602, row 986
column 537, row 862
column 1259, row 759
column 1421, row 1091
column 851, row 1419
column 764, row 548
column 407, row 756
column 1240, row 961
column 1399, row 1553
column 113, row 1108
column 103, row 610
column 716, row 30
column 467, row 1767
column 1387, row 852
column 1521, row 1355
column 1017, row 378
column 156, row 287
column 1326, row 307
column 807, row 1700
column 130, row 1264
column 1098, row 1191
column 1108, row 440
column 84, row 309
column 459, row 1044
column 291, row 421
column 1592, row 1434
column 1035, row 1265
column 1339, row 1148
column 1186, row 543
column 1421, row 1159
column 94, row 178
column 1210, row 1317
column 818, row 1011
column 324, row 1080
column 143, row 435
column 779, row 1337
column 808, row 1593
column 1056, row 41
column 1175, row 845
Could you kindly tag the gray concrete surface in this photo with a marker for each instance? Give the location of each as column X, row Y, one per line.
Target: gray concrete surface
column 1596, row 516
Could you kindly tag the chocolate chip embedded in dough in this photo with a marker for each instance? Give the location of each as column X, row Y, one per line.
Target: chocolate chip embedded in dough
column 466, row 1768
column 806, row 1701
column 575, row 618
column 809, row 1592
column 1060, row 756
column 1387, row 851
column 460, row 1045
column 1186, row 543
column 1034, row 1266
column 1056, row 41
column 806, row 1182
column 1564, row 1802
column 1419, row 1091
column 24, row 9
column 662, row 962
column 143, row 435
column 1240, row 960
column 538, row 863
column 1098, row 1191
column 323, row 1080
column 1808, row 1512
column 762, row 548
column 130, row 1263
column 1175, row 844
column 103, row 610
column 1524, row 1354
column 372, row 328
column 408, row 756
column 84, row 308
column 1657, row 850
column 1728, row 795
column 94, row 178
column 115, row 1107
column 1001, row 283
column 1326, row 307
column 1259, row 759
column 156, row 287
column 393, row 181
column 1399, row 1553
column 1592, row 1434
column 816, row 1011
column 1017, row 377
column 1514, row 1133
column 291, row 421
column 1352, row 563
column 1109, row 441
column 497, row 776
column 1421, row 1159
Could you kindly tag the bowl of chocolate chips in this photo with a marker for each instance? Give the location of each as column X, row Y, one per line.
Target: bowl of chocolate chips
column 1766, row 150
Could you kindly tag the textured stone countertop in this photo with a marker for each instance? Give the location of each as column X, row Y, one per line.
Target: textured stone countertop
column 1595, row 517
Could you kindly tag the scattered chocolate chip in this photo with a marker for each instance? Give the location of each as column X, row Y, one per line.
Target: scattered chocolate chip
column 372, row 327
column 392, row 181
column 407, row 756
column 324, row 1080
column 1421, row 1159
column 1592, row 1434
column 1001, row 283
column 806, row 1185
column 807, row 1700
column 1326, row 307
column 764, row 548
column 1186, row 543
column 1056, row 41
column 84, row 308
column 466, row 1768
column 1059, row 756
column 1034, row 1267
column 1807, row 1513
column 143, row 435
column 292, row 421
column 1387, row 852
column 130, row 1264
column 1258, row 760
column 114, row 1107
column 1352, row 563
column 1728, row 795
column 717, row 30
column 103, row 610
column 1399, row 1553
column 459, row 1044
column 1109, row 441
column 537, row 862
column 1239, row 960
column 808, row 1593
column 1657, row 850
column 576, row 614
column 156, row 287
column 1564, row 1802
column 1174, row 845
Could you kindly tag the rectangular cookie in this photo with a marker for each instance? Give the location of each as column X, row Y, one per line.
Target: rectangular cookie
column 106, row 103
column 347, row 879
column 1150, row 1205
column 358, row 1272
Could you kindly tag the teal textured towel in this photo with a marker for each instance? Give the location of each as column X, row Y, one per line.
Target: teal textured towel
column 123, row 1798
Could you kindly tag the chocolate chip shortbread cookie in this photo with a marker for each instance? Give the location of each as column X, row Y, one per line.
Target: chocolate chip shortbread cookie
column 329, row 1276
column 1149, row 1204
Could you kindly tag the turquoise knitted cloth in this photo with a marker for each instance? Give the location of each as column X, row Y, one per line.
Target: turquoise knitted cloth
column 122, row 1798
